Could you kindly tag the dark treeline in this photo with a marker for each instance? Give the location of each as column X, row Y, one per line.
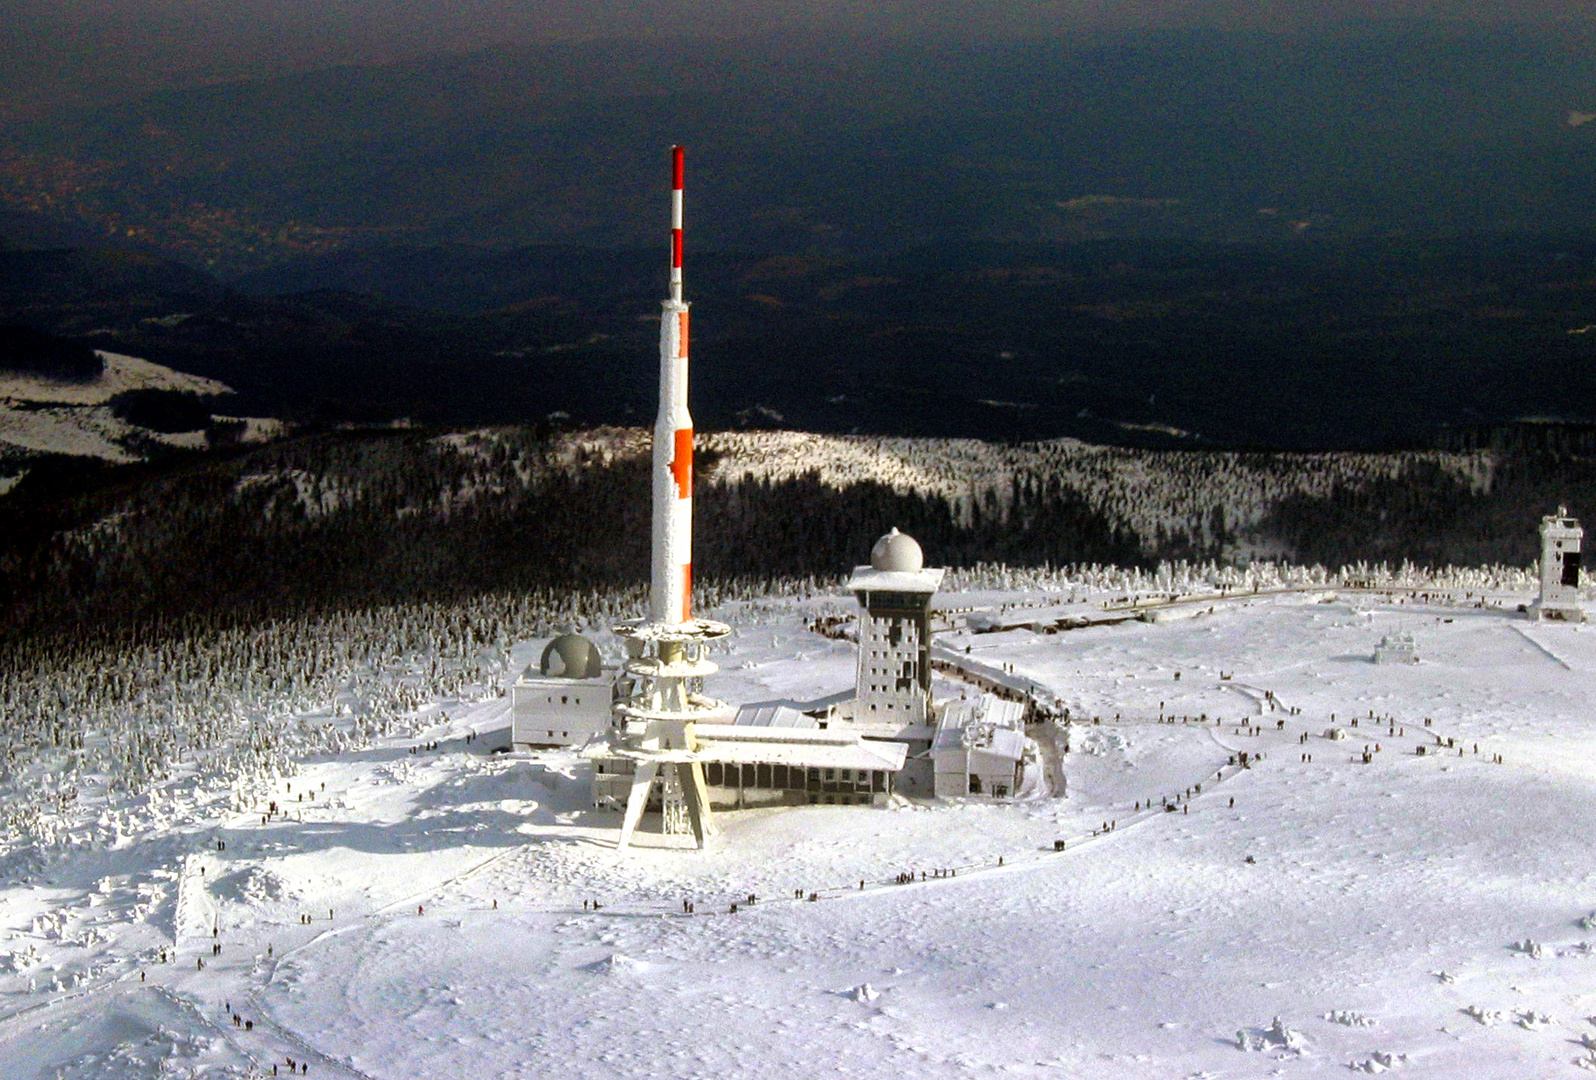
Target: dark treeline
column 25, row 349
column 351, row 519
column 164, row 410
column 800, row 527
column 354, row 519
column 1560, row 438
column 1434, row 519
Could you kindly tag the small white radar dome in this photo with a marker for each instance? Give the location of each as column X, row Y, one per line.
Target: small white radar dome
column 897, row 552
column 571, row 656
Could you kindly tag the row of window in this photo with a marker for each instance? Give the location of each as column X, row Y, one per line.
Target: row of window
column 896, row 634
column 843, row 800
column 794, row 778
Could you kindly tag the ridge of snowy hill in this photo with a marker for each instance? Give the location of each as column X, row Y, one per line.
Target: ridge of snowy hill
column 1152, row 494
column 76, row 418
column 465, row 512
column 121, row 373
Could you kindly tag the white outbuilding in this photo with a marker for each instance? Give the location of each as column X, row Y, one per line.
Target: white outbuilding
column 979, row 748
column 565, row 698
column 1560, row 557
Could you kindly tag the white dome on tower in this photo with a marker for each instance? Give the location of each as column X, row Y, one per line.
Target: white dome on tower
column 897, row 552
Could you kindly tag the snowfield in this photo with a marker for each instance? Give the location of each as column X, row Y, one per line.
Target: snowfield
column 40, row 415
column 426, row 908
column 122, row 373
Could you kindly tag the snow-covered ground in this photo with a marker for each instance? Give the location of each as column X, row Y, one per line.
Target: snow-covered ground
column 39, row 415
column 427, row 913
column 121, row 373
column 51, row 416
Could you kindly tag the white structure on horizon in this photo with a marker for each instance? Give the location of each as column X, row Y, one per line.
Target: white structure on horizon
column 1560, row 545
column 565, row 699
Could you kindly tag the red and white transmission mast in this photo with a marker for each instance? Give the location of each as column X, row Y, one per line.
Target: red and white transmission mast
column 666, row 651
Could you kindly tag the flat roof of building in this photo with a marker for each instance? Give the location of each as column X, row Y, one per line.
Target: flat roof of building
column 803, row 747
column 869, row 579
column 773, row 714
column 987, row 723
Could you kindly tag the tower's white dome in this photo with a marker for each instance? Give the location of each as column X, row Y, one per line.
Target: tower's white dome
column 897, row 551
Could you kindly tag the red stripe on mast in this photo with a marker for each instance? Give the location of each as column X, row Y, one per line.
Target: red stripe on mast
column 676, row 168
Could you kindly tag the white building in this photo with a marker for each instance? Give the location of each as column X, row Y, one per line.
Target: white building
column 887, row 737
column 979, row 748
column 893, row 684
column 1560, row 544
column 953, row 747
column 1398, row 648
column 565, row 699
column 774, row 763
column 892, row 677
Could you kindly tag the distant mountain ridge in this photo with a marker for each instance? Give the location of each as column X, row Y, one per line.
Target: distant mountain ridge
column 1320, row 344
column 830, row 146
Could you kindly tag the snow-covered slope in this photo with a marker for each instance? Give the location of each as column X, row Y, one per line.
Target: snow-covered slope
column 39, row 415
column 1152, row 494
column 121, row 373
column 424, row 909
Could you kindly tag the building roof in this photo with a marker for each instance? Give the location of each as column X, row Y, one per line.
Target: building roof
column 988, row 739
column 869, row 579
column 1561, row 526
column 988, row 724
column 806, row 747
column 773, row 714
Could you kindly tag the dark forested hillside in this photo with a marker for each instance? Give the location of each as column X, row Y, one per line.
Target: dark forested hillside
column 352, row 518
column 33, row 352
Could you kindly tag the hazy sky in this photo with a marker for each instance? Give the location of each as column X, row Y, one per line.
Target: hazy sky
column 56, row 49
